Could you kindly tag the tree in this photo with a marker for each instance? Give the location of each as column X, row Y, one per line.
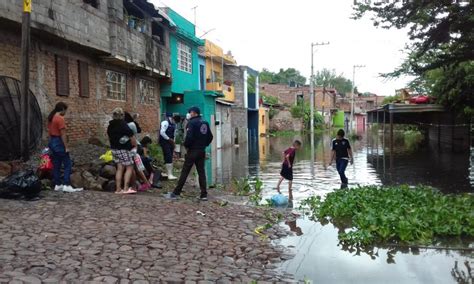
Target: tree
column 329, row 79
column 441, row 51
column 303, row 111
column 284, row 76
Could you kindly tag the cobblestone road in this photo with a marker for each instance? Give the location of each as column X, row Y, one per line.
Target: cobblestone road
column 103, row 237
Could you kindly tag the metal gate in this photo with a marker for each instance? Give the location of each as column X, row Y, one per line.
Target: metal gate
column 10, row 148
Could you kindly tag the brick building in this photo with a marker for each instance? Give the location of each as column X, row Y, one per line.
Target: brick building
column 289, row 96
column 94, row 55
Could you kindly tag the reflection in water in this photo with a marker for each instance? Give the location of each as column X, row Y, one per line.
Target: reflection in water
column 319, row 256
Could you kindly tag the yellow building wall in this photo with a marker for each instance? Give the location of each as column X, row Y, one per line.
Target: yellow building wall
column 215, row 58
column 263, row 121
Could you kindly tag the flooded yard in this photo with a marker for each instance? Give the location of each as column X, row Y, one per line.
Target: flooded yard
column 318, row 254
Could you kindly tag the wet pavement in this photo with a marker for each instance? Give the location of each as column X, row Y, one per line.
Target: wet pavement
column 103, row 237
column 318, row 255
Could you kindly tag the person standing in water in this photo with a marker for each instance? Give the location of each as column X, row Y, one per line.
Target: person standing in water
column 287, row 167
column 342, row 153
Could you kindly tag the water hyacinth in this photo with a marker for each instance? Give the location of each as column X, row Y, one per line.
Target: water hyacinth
column 398, row 214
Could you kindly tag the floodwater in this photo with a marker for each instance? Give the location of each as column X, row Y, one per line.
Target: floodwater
column 318, row 256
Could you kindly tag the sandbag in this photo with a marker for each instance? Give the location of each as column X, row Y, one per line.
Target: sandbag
column 21, row 184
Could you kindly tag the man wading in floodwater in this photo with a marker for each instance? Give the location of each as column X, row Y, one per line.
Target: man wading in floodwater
column 342, row 153
column 198, row 137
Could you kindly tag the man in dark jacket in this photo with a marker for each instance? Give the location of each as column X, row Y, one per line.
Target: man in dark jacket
column 198, row 137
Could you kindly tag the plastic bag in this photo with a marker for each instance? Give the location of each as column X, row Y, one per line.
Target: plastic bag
column 279, row 200
column 46, row 165
column 22, row 184
column 107, row 157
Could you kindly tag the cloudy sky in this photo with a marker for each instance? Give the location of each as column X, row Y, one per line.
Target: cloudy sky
column 276, row 34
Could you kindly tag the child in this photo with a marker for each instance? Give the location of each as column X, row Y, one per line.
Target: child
column 146, row 159
column 287, row 167
column 342, row 153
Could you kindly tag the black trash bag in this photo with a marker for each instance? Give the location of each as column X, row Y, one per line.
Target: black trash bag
column 22, row 184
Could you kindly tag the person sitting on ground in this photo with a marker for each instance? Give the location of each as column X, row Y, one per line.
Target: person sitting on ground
column 146, row 159
column 59, row 149
column 342, row 153
column 287, row 167
column 121, row 151
column 139, row 167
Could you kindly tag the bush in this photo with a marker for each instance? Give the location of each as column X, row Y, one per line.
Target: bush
column 394, row 214
column 156, row 154
column 303, row 111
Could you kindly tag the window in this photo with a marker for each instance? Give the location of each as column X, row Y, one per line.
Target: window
column 116, row 85
column 184, row 57
column 83, row 79
column 147, row 92
column 62, row 75
column 93, row 3
column 158, row 33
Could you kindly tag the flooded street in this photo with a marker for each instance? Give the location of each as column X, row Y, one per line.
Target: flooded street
column 318, row 257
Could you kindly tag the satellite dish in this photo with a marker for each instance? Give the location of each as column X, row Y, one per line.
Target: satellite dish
column 10, row 120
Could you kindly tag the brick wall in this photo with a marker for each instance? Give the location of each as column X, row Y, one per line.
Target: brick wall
column 287, row 95
column 86, row 117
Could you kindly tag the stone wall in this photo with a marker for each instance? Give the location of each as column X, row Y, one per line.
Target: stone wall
column 239, row 125
column 87, row 117
column 284, row 121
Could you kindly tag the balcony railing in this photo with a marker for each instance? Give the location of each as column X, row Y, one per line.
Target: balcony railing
column 214, row 86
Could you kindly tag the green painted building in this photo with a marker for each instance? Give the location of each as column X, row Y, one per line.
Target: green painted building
column 185, row 89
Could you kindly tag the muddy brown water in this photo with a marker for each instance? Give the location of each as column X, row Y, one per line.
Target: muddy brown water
column 318, row 257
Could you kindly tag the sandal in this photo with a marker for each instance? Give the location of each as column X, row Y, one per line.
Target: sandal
column 130, row 191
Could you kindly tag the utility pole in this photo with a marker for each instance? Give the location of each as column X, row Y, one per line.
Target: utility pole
column 311, row 84
column 25, row 81
column 194, row 8
column 352, row 126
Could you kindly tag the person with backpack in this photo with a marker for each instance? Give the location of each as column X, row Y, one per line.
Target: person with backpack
column 198, row 137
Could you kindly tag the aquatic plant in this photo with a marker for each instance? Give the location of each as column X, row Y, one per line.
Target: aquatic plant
column 398, row 214
column 244, row 187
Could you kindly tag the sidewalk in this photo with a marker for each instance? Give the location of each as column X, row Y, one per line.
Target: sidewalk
column 104, row 237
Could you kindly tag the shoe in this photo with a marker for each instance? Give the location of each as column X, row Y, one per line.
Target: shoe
column 68, row 188
column 203, row 197
column 58, row 188
column 172, row 196
column 169, row 169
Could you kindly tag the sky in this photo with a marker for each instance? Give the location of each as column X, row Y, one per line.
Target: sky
column 276, row 34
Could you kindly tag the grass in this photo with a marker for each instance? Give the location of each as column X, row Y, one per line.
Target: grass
column 400, row 214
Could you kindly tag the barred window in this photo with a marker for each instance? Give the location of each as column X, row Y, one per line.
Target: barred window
column 185, row 62
column 147, row 92
column 116, row 85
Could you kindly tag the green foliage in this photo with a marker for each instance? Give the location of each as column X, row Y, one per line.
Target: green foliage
column 329, row 79
column 394, row 214
column 284, row 76
column 412, row 139
column 391, row 99
column 440, row 54
column 272, row 112
column 244, row 187
column 269, row 99
column 251, row 84
column 304, row 111
column 156, row 153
